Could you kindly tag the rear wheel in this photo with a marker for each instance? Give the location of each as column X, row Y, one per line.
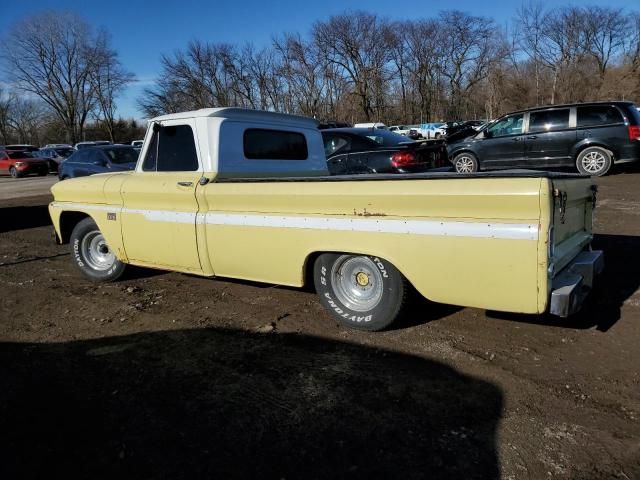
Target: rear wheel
column 92, row 254
column 594, row 161
column 465, row 162
column 362, row 292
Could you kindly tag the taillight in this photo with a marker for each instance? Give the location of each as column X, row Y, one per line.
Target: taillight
column 403, row 159
column 634, row 132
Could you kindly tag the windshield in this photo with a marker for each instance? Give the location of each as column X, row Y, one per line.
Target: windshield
column 122, row 155
column 384, row 137
column 19, row 155
column 64, row 152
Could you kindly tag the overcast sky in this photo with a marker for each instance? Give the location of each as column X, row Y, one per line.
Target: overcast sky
column 142, row 29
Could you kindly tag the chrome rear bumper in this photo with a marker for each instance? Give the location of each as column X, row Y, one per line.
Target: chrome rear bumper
column 572, row 285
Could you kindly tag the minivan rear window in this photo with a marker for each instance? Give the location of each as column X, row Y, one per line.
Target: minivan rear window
column 592, row 115
column 548, row 120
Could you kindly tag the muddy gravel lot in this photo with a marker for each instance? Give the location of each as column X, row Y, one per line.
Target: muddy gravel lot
column 163, row 375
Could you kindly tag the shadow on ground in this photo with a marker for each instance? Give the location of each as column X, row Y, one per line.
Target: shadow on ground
column 618, row 282
column 20, row 218
column 217, row 403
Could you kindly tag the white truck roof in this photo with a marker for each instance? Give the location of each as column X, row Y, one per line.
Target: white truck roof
column 235, row 113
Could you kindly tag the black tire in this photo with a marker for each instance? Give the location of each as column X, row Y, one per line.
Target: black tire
column 466, row 162
column 88, row 247
column 438, row 135
column 13, row 171
column 595, row 161
column 378, row 312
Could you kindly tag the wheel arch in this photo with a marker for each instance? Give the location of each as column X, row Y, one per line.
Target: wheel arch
column 310, row 259
column 581, row 146
column 68, row 221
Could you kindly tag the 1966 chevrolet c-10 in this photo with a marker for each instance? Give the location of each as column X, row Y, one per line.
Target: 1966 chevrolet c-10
column 238, row 193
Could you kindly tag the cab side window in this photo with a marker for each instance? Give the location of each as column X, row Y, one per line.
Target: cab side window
column 548, row 120
column 171, row 149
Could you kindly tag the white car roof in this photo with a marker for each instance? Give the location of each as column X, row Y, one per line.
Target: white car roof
column 234, row 113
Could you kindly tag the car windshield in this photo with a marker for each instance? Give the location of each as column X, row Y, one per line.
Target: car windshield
column 122, row 155
column 384, row 137
column 64, row 152
column 19, row 155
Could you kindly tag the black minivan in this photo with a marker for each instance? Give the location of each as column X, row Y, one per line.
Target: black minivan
column 587, row 136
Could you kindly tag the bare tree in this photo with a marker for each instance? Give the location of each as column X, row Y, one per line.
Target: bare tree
column 49, row 55
column 355, row 42
column 108, row 79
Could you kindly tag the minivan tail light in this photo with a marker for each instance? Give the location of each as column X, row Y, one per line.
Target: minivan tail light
column 634, row 132
column 403, row 159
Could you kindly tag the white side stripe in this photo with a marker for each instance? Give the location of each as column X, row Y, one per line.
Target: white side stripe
column 509, row 231
column 513, row 231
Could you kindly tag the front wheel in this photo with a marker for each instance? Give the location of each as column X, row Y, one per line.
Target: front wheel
column 594, row 161
column 92, row 254
column 362, row 292
column 13, row 171
column 465, row 162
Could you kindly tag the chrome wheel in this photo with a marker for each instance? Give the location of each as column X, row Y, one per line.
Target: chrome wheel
column 465, row 164
column 594, row 162
column 96, row 252
column 357, row 282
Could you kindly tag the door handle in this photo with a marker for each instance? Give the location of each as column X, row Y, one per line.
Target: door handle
column 185, row 184
column 517, row 139
column 532, row 137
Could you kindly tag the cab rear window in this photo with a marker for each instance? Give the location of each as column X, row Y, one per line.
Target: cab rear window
column 263, row 144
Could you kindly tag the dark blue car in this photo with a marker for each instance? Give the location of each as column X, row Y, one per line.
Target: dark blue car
column 99, row 159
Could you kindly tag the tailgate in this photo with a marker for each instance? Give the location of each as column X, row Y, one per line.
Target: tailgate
column 573, row 202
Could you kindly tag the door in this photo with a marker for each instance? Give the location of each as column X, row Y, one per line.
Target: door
column 502, row 145
column 159, row 202
column 4, row 162
column 550, row 138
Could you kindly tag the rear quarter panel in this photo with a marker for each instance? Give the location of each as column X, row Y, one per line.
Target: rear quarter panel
column 267, row 231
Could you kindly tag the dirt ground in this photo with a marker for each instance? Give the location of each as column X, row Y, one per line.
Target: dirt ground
column 163, row 375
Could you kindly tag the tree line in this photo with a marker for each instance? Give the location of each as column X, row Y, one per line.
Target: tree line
column 359, row 66
column 356, row 66
column 65, row 78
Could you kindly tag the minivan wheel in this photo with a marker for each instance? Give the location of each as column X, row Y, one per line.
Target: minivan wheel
column 595, row 161
column 360, row 291
column 465, row 162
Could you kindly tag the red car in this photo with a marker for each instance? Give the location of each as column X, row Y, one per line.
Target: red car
column 19, row 164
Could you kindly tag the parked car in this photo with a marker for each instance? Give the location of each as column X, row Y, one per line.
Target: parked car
column 363, row 150
column 95, row 143
column 432, row 130
column 55, row 155
column 99, row 159
column 590, row 137
column 399, row 129
column 57, row 145
column 21, row 163
column 21, row 147
column 379, row 125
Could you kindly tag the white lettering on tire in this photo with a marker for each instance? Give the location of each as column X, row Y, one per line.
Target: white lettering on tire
column 76, row 252
column 343, row 314
column 383, row 270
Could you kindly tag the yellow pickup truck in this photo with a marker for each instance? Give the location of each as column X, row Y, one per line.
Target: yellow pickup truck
column 246, row 194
